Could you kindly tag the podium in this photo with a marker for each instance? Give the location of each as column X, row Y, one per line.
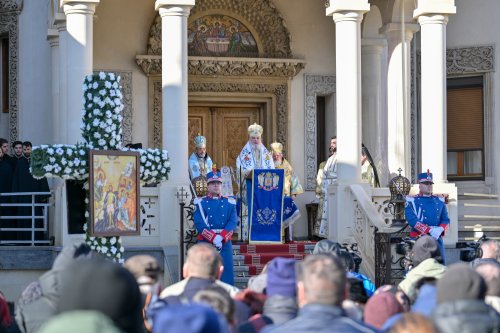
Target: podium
column 265, row 206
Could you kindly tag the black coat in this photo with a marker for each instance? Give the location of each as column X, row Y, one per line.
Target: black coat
column 466, row 316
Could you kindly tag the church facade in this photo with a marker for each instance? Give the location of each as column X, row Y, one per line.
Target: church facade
column 415, row 81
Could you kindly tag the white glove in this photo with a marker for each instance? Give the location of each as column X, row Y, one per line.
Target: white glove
column 218, row 242
column 436, row 232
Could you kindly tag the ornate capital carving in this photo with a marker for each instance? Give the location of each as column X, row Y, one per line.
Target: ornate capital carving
column 11, row 6
column 151, row 65
column 476, row 59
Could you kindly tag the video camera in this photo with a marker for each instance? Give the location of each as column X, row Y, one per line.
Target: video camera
column 404, row 248
column 471, row 250
column 352, row 249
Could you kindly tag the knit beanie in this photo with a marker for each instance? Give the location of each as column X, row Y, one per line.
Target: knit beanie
column 424, row 248
column 281, row 277
column 381, row 307
column 460, row 282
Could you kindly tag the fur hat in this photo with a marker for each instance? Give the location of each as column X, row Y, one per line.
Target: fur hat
column 281, row 277
column 327, row 246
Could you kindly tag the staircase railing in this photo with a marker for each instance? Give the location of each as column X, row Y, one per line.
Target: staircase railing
column 372, row 231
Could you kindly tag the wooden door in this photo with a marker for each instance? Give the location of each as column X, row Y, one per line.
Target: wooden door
column 224, row 127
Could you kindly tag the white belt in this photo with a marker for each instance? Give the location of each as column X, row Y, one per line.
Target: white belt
column 217, row 231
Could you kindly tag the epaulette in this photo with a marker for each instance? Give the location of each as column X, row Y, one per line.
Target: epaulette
column 231, row 200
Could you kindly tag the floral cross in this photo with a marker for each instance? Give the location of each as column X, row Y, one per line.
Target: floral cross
column 101, row 130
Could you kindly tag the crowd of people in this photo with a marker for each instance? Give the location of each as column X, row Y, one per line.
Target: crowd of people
column 86, row 293
column 15, row 177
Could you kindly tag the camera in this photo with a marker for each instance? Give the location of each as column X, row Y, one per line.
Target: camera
column 404, row 248
column 353, row 251
column 471, row 250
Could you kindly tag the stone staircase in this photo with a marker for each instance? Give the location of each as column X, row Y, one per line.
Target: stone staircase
column 249, row 260
column 478, row 214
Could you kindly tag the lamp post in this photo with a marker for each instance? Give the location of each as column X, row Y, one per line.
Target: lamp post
column 399, row 187
column 182, row 195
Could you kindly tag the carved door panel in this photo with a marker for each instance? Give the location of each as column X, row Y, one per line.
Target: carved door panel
column 200, row 121
column 225, row 129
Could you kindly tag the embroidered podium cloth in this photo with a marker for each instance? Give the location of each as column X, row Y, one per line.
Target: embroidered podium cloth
column 265, row 209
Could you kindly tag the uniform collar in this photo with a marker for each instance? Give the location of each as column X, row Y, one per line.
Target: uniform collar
column 214, row 196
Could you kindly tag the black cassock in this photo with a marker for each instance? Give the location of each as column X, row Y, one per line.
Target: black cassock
column 6, row 187
column 23, row 181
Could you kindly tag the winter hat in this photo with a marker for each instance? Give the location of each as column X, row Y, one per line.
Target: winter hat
column 104, row 286
column 424, row 248
column 381, row 307
column 327, row 246
column 143, row 265
column 281, row 277
column 190, row 318
column 460, row 282
column 80, row 322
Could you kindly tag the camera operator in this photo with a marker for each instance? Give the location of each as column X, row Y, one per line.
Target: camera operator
column 427, row 213
column 490, row 253
column 426, row 261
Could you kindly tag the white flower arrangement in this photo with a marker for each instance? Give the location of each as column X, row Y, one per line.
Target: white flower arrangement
column 101, row 129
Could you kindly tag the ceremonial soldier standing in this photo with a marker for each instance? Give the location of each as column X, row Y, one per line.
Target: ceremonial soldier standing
column 427, row 213
column 215, row 219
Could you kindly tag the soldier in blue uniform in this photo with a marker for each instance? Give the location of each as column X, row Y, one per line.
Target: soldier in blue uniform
column 215, row 219
column 427, row 213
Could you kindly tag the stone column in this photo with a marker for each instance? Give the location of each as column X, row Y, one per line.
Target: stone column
column 373, row 118
column 433, row 17
column 79, row 25
column 399, row 96
column 348, row 16
column 53, row 38
column 60, row 23
column 174, row 14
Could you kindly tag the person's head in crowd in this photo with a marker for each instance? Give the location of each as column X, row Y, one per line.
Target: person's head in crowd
column 356, row 299
column 134, row 145
column 347, row 261
column 425, row 248
column 281, row 280
column 146, row 270
column 17, row 148
column 381, row 307
column 321, row 280
column 102, row 285
column 413, row 323
column 327, row 246
column 5, row 318
column 27, row 146
column 203, row 262
column 400, row 295
column 490, row 249
column 218, row 299
column 491, row 275
column 254, row 300
column 425, row 301
column 4, row 146
column 81, row 321
column 460, row 282
column 190, row 318
column 333, row 145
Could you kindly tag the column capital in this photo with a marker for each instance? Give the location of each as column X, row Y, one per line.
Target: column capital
column 173, row 3
column 339, row 6
column 433, row 19
column 79, row 6
column 373, row 45
column 435, row 7
column 53, row 37
column 392, row 31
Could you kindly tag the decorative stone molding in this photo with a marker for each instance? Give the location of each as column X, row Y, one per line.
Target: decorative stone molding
column 151, row 65
column 261, row 15
column 476, row 59
column 315, row 85
column 9, row 16
column 11, row 6
column 278, row 90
